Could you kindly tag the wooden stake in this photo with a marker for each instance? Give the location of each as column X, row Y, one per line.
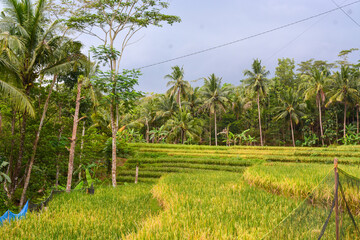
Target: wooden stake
column 336, row 198
column 137, row 174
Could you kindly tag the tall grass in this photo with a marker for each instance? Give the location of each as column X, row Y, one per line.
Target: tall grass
column 112, row 213
column 213, row 205
column 299, row 179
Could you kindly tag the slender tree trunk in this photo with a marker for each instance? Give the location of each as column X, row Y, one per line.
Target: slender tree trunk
column 357, row 119
column 58, row 159
column 114, row 158
column 182, row 136
column 292, row 131
column 179, row 100
column 114, row 125
column 73, row 137
column 12, row 146
column 215, row 126
column 0, row 122
column 37, row 138
column 320, row 121
column 258, row 104
column 59, row 138
column 17, row 169
column 81, row 148
column 147, row 130
column 210, row 128
column 337, row 126
column 345, row 120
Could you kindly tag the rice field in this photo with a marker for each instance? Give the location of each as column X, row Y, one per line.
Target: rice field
column 203, row 192
column 108, row 214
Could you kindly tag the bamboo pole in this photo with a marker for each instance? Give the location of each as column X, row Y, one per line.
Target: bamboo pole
column 336, row 198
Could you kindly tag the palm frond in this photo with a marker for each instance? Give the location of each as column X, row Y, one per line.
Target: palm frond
column 17, row 98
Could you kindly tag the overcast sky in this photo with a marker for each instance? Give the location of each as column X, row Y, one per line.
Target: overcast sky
column 208, row 23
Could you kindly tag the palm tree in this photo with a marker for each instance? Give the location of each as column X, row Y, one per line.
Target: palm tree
column 147, row 115
column 185, row 125
column 290, row 109
column 239, row 102
column 315, row 83
column 179, row 86
column 30, row 49
column 257, row 83
column 166, row 107
column 343, row 89
column 193, row 100
column 17, row 98
column 215, row 97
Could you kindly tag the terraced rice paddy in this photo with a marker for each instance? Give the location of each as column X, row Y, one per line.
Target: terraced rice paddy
column 204, row 193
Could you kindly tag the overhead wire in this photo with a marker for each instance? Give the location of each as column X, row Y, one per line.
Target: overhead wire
column 297, row 37
column 341, row 8
column 249, row 37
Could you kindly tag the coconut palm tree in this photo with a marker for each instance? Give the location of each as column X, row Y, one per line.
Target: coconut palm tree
column 193, row 101
column 179, row 87
column 185, row 125
column 215, row 97
column 257, row 83
column 17, row 98
column 343, row 89
column 166, row 107
column 239, row 102
column 290, row 109
column 315, row 83
column 30, row 49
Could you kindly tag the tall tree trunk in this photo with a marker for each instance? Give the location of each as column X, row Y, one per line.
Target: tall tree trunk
column 81, row 148
column 37, row 138
column 113, row 152
column 320, row 121
column 182, row 136
column 179, row 100
column 58, row 159
column 0, row 122
column 357, row 119
column 59, row 153
column 147, row 130
column 258, row 104
column 215, row 127
column 11, row 157
column 292, row 131
column 210, row 128
column 337, row 126
column 345, row 120
column 73, row 137
column 114, row 114
column 16, row 172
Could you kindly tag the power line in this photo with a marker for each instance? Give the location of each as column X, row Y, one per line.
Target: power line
column 299, row 35
column 346, row 13
column 249, row 37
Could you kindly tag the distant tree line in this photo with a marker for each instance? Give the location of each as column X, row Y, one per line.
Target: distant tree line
column 315, row 103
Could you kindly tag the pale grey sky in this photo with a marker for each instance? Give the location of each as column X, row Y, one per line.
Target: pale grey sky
column 208, row 23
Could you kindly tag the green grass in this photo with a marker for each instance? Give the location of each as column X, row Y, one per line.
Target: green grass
column 299, row 179
column 154, row 165
column 109, row 214
column 213, row 205
column 206, row 192
column 347, row 154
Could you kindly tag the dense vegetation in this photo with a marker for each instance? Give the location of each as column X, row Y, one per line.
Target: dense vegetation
column 66, row 121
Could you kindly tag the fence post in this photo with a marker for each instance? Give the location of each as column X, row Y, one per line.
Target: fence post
column 136, row 173
column 336, row 198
